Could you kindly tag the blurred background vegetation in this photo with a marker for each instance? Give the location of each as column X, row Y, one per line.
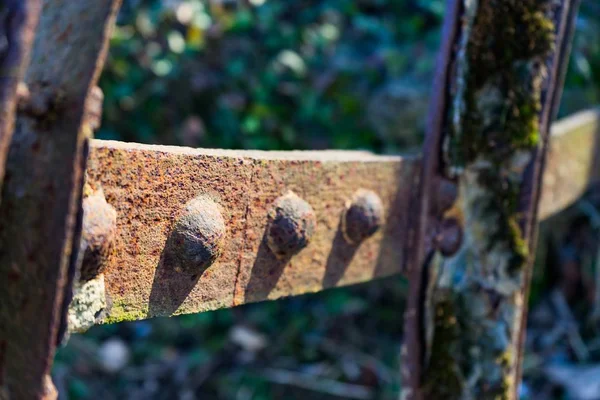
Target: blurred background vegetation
column 300, row 74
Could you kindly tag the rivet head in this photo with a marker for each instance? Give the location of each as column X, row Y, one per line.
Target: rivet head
column 98, row 235
column 445, row 196
column 450, row 236
column 363, row 216
column 292, row 222
column 198, row 237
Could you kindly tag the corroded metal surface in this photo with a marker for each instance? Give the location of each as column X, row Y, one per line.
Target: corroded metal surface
column 98, row 235
column 149, row 187
column 41, row 205
column 496, row 93
column 329, row 260
column 292, row 222
column 363, row 216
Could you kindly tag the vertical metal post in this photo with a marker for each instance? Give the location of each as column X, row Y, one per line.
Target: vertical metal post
column 496, row 91
column 40, row 209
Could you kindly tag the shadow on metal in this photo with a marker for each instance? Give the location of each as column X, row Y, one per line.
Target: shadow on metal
column 265, row 273
column 339, row 258
column 172, row 283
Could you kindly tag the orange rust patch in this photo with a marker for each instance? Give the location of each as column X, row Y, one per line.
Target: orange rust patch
column 149, row 187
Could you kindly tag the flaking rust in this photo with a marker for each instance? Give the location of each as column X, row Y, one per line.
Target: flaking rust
column 99, row 231
column 198, row 236
column 363, row 216
column 96, row 250
column 291, row 225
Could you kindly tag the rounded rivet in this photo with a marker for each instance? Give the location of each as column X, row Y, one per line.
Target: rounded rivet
column 450, row 237
column 292, row 222
column 198, row 236
column 444, row 196
column 98, row 235
column 363, row 216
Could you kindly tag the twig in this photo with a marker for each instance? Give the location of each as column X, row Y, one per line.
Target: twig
column 572, row 329
column 317, row 384
column 336, row 349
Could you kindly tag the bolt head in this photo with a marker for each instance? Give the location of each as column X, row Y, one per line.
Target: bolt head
column 198, row 236
column 98, row 235
column 444, row 196
column 363, row 216
column 450, row 237
column 291, row 225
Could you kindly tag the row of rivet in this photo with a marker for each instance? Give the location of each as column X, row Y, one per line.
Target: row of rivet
column 447, row 231
column 198, row 235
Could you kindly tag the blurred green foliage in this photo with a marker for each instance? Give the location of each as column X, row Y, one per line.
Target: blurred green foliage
column 582, row 85
column 276, row 74
column 349, row 336
column 294, row 74
column 267, row 74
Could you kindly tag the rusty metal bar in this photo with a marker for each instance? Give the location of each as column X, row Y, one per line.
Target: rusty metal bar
column 40, row 209
column 150, row 186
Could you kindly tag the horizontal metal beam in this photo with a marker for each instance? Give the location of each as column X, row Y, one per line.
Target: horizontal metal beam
column 149, row 187
column 157, row 191
column 573, row 161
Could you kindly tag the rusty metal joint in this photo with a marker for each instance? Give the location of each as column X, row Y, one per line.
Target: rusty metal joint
column 98, row 234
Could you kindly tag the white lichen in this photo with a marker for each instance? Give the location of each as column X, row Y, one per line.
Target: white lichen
column 89, row 300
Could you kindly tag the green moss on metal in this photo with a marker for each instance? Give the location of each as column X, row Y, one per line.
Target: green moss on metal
column 492, row 129
column 508, row 41
column 443, row 376
column 121, row 311
column 497, row 118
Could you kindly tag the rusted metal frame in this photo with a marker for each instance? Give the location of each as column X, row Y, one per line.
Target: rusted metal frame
column 18, row 19
column 152, row 190
column 413, row 347
column 40, row 209
column 418, row 328
column 345, row 209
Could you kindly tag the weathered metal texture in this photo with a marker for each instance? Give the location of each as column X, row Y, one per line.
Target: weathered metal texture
column 149, row 186
column 571, row 164
column 495, row 95
column 98, row 234
column 18, row 19
column 41, row 208
column 413, row 347
column 326, row 182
